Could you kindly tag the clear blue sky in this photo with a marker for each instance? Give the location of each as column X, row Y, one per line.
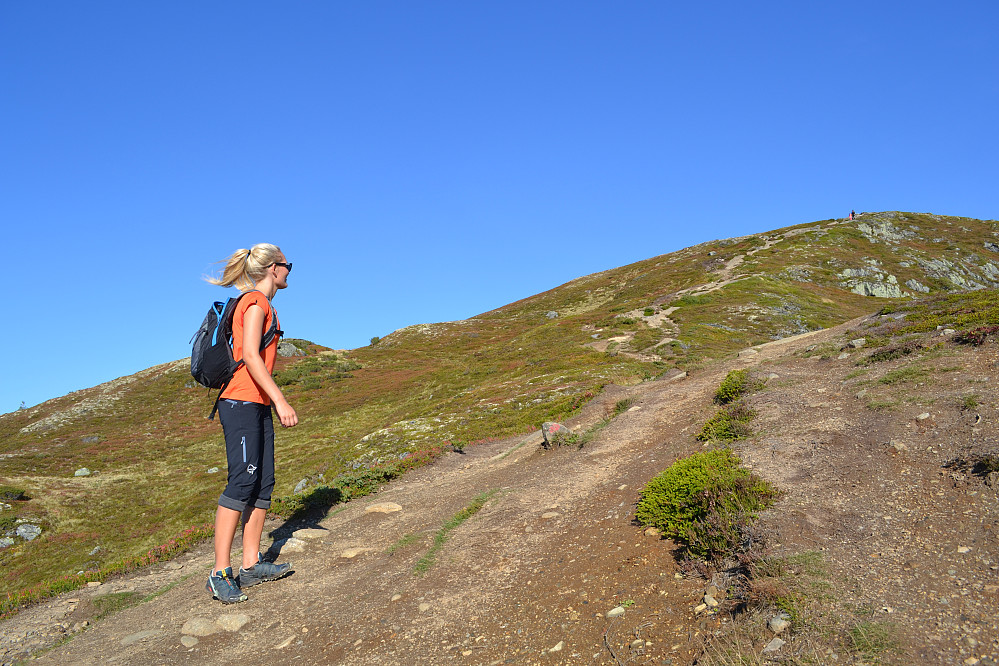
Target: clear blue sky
column 430, row 161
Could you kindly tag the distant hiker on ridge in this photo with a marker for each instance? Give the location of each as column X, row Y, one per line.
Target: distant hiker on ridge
column 852, row 215
column 245, row 411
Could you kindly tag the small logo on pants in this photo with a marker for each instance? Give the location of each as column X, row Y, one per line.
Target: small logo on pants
column 250, row 469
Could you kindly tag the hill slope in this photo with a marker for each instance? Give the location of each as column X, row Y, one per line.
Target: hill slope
column 884, row 547
column 492, row 376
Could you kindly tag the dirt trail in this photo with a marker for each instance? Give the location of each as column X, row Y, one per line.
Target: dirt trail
column 661, row 318
column 550, row 553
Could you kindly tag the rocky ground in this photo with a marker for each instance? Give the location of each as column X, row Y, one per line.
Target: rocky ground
column 552, row 569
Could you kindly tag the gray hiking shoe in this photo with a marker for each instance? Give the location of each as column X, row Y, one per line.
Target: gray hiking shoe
column 261, row 572
column 224, row 588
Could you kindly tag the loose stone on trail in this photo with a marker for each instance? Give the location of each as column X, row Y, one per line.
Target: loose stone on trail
column 291, row 545
column 140, row 636
column 773, row 646
column 383, row 507
column 199, row 626
column 233, row 622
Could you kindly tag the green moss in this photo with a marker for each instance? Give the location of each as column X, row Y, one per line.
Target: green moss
column 704, row 501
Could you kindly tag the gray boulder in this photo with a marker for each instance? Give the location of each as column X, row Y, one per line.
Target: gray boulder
column 287, row 349
column 28, row 532
column 555, row 434
column 879, row 289
column 83, row 471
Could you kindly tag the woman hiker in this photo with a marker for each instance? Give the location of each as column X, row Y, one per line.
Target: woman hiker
column 245, row 412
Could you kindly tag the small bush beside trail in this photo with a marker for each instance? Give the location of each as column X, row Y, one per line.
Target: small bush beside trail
column 737, row 384
column 976, row 336
column 729, row 424
column 705, row 501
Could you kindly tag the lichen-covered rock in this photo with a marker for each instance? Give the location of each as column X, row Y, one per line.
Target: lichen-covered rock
column 881, row 231
column 555, row 434
column 879, row 289
column 28, row 532
column 287, row 349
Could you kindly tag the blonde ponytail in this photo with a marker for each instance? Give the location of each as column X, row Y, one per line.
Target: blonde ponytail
column 244, row 267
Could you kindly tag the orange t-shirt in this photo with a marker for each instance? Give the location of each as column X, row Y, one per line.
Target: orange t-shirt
column 242, row 386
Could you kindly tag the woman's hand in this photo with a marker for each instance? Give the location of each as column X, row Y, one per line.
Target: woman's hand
column 286, row 413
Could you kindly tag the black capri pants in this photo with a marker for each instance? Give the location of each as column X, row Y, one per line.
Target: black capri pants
column 249, row 449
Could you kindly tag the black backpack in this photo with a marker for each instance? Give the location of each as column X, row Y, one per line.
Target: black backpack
column 212, row 364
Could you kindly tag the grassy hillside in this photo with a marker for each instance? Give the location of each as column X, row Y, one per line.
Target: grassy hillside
column 434, row 385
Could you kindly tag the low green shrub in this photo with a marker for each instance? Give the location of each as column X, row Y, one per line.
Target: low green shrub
column 909, row 373
column 12, row 494
column 893, row 352
column 976, row 336
column 705, row 501
column 8, row 521
column 971, row 401
column 691, row 299
column 313, row 372
column 737, row 384
column 622, row 406
column 649, row 312
column 729, row 424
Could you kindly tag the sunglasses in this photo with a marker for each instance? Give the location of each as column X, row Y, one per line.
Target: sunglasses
column 281, row 263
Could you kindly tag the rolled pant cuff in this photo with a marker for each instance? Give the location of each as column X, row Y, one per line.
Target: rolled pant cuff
column 262, row 503
column 230, row 503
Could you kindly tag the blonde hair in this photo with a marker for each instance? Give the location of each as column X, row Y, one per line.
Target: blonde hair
column 244, row 267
